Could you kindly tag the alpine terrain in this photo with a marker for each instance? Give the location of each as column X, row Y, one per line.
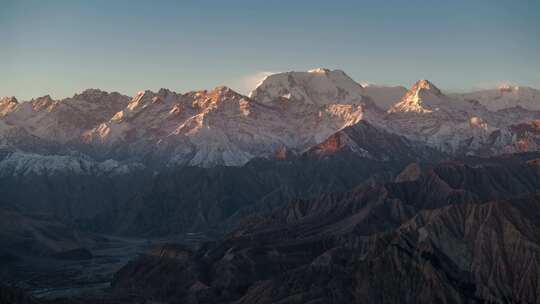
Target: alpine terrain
column 313, row 188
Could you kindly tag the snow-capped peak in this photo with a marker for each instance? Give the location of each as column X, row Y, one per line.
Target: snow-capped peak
column 508, row 88
column 91, row 95
column 223, row 90
column 319, row 86
column 8, row 99
column 42, row 102
column 507, row 96
column 163, row 92
column 424, row 84
column 293, row 110
column 7, row 104
column 215, row 97
column 423, row 97
column 319, row 71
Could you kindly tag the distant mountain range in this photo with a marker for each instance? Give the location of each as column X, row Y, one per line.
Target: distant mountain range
column 291, row 111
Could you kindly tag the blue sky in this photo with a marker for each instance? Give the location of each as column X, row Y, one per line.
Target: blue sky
column 62, row 47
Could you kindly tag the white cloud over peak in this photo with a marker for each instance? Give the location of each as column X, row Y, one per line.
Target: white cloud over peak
column 249, row 82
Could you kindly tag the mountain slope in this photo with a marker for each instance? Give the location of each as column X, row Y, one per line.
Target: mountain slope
column 506, row 97
column 367, row 141
column 218, row 127
column 450, row 124
column 423, row 97
column 318, row 87
column 7, row 105
column 290, row 111
column 468, row 242
column 522, row 137
column 63, row 121
column 133, row 199
column 23, row 235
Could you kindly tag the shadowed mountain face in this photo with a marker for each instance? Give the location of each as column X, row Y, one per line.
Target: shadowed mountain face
column 137, row 200
column 22, row 235
column 132, row 199
column 369, row 142
column 458, row 233
column 190, row 199
column 15, row 296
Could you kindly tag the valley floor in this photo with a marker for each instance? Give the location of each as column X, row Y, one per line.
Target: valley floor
column 49, row 278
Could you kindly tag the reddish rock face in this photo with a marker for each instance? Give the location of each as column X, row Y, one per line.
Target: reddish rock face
column 281, row 153
column 330, row 146
column 7, row 104
column 411, row 173
column 425, row 85
column 534, row 162
column 532, row 126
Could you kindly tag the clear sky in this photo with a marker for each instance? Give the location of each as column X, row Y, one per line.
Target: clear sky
column 62, row 47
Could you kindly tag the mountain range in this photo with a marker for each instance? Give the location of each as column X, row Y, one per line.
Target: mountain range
column 312, row 189
column 290, row 111
column 164, row 163
column 458, row 232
